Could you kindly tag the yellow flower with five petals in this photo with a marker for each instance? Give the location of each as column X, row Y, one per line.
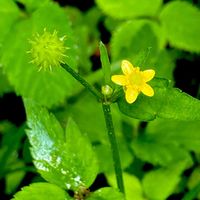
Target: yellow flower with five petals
column 134, row 81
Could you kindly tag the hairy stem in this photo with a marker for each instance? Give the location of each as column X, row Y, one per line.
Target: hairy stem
column 114, row 146
column 81, row 80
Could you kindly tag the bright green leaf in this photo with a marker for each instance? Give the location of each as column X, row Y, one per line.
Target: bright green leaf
column 106, row 194
column 9, row 149
column 48, row 88
column 96, row 130
column 133, row 187
column 68, row 161
column 129, row 8
column 193, row 193
column 181, row 23
column 157, row 151
column 165, row 178
column 186, row 135
column 14, row 179
column 165, row 65
column 131, row 38
column 44, row 191
column 194, row 178
column 193, row 185
column 105, row 63
column 4, row 84
column 31, row 5
column 9, row 14
column 167, row 102
column 167, row 141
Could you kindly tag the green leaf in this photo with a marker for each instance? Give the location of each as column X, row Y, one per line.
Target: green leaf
column 181, row 20
column 167, row 141
column 23, row 75
column 165, row 178
column 44, row 191
column 130, row 39
column 165, row 64
column 66, row 160
column 4, row 84
column 186, row 135
column 192, row 194
column 31, row 5
column 167, row 102
column 193, row 185
column 129, row 8
column 106, row 194
column 14, row 179
column 9, row 14
column 133, row 187
column 105, row 63
column 96, row 130
column 154, row 149
column 9, row 148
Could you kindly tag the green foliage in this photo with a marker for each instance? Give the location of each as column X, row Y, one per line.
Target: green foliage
column 96, row 130
column 63, row 159
column 105, row 63
column 4, row 84
column 129, row 8
column 106, row 194
column 132, row 184
column 130, row 39
column 181, row 22
column 167, row 141
column 9, row 14
column 165, row 178
column 32, row 5
column 22, row 74
column 158, row 137
column 168, row 103
column 45, row 191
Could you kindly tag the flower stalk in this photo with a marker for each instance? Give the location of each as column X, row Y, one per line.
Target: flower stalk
column 114, row 146
column 81, row 80
column 109, row 124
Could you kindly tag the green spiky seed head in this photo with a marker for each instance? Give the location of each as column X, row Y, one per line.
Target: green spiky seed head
column 48, row 50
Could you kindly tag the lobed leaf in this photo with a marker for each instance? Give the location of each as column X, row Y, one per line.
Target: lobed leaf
column 181, row 20
column 129, row 8
column 44, row 191
column 186, row 135
column 165, row 178
column 168, row 103
column 131, row 38
column 32, row 5
column 67, row 159
column 132, row 184
column 106, row 194
column 9, row 14
column 48, row 88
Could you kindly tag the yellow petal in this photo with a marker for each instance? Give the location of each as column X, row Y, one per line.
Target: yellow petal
column 127, row 67
column 131, row 95
column 148, row 74
column 119, row 79
column 147, row 90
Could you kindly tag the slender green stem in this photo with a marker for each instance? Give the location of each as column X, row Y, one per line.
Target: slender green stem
column 109, row 125
column 114, row 146
column 81, row 80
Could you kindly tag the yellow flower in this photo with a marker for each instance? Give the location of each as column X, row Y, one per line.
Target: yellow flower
column 134, row 81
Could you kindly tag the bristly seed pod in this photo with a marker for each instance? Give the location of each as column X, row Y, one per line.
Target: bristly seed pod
column 48, row 50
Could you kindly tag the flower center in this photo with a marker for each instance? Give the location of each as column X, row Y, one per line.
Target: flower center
column 136, row 79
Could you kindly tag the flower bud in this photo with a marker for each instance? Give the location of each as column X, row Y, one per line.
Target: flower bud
column 106, row 90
